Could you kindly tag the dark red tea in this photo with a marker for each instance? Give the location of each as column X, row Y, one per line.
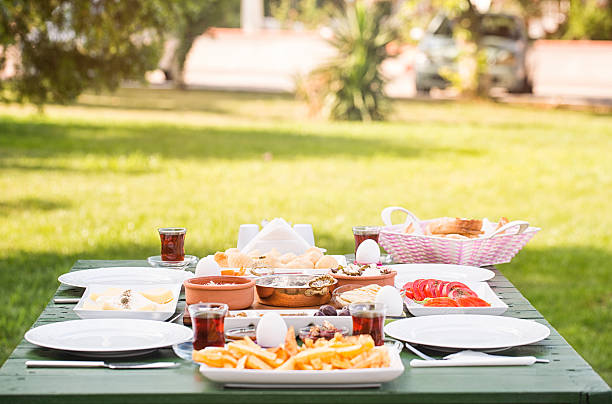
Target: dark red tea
column 172, row 244
column 362, row 233
column 366, row 323
column 360, row 238
column 208, row 330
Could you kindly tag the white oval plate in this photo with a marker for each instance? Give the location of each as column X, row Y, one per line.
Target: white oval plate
column 482, row 289
column 123, row 275
column 467, row 331
column 106, row 336
column 307, row 377
column 164, row 312
column 444, row 272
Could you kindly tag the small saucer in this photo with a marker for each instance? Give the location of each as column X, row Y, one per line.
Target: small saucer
column 184, row 350
column 156, row 261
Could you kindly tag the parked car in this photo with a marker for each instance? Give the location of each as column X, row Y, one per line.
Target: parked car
column 504, row 38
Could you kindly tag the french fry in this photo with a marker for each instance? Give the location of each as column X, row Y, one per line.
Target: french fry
column 253, row 362
column 249, row 350
column 283, row 355
column 316, row 363
column 340, row 352
column 340, row 363
column 305, row 366
column 229, row 359
column 288, row 365
column 248, row 341
column 290, row 342
column 241, row 362
column 310, row 354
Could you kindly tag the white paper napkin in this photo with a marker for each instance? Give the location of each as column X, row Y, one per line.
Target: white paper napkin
column 474, row 358
column 280, row 235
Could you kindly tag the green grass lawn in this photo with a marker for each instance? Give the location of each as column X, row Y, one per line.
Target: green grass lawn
column 94, row 181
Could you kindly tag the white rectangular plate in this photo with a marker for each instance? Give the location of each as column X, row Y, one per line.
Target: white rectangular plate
column 340, row 258
column 297, row 321
column 482, row 289
column 168, row 309
column 307, row 377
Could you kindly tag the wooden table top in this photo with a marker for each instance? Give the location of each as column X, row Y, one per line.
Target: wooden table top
column 566, row 379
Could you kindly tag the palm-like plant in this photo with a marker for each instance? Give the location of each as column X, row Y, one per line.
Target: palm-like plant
column 351, row 86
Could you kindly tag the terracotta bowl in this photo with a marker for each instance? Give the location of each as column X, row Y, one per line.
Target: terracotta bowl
column 382, row 280
column 238, row 296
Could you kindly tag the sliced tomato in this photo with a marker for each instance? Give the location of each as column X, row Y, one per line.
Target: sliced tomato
column 432, row 287
column 407, row 289
column 471, row 301
column 418, row 289
column 461, row 292
column 451, row 285
column 440, row 302
column 440, row 288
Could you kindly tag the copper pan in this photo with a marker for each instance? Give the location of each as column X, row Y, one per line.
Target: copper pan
column 295, row 290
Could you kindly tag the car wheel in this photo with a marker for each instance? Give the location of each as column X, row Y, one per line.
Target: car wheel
column 422, row 90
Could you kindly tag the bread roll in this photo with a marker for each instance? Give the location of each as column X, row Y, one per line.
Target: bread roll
column 300, row 263
column 239, row 260
column 449, row 225
column 326, row 262
column 286, row 258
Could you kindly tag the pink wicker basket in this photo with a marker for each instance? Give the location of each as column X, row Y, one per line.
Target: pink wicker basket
column 496, row 248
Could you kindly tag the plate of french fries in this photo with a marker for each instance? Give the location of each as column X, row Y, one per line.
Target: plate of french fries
column 340, row 360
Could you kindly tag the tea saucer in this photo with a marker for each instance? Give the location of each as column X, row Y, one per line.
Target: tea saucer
column 156, row 261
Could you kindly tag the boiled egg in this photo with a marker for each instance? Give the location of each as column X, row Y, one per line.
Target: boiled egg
column 368, row 252
column 271, row 330
column 207, row 266
column 392, row 299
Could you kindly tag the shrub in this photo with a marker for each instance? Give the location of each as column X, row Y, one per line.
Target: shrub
column 351, row 85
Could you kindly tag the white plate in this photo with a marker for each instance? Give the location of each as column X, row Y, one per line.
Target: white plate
column 466, row 331
column 108, row 337
column 482, row 289
column 307, row 377
column 164, row 313
column 444, row 272
column 290, row 318
column 123, row 275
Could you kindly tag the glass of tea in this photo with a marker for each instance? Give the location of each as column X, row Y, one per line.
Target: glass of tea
column 172, row 243
column 207, row 323
column 362, row 233
column 369, row 318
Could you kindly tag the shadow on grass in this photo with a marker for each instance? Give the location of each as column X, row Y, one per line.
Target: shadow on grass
column 217, row 102
column 44, row 139
column 31, row 204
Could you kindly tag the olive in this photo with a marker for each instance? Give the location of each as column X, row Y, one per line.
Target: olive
column 344, row 311
column 319, row 313
column 328, row 310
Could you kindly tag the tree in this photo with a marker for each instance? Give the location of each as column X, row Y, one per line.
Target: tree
column 192, row 19
column 351, row 86
column 67, row 46
column 589, row 19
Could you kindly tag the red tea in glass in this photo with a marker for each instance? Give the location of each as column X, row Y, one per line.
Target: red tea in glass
column 172, row 243
column 207, row 322
column 362, row 233
column 369, row 318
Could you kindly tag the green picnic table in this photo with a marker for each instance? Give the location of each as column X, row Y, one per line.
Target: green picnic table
column 566, row 379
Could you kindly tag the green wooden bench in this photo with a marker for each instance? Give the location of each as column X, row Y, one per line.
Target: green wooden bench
column 566, row 379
